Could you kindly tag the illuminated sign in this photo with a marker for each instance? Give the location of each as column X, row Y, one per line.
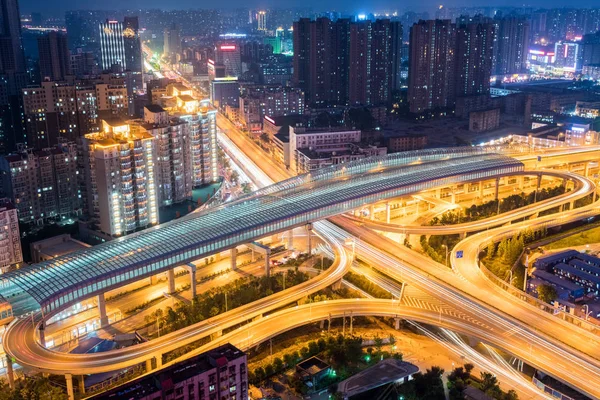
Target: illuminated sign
column 128, row 33
column 538, row 52
column 228, row 47
column 211, row 62
column 269, row 119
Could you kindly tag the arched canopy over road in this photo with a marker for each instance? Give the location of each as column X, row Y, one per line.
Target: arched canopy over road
column 66, row 280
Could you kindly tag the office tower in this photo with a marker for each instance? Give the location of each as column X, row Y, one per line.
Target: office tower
column 132, row 44
column 112, row 46
column 590, row 49
column 43, row 184
column 13, row 76
column 432, row 65
column 119, row 163
column 474, row 54
column 172, row 41
column 82, row 29
column 54, row 57
column 262, row 20
column 10, row 239
column 55, row 110
column 512, row 45
column 173, row 155
column 567, row 56
column 228, row 54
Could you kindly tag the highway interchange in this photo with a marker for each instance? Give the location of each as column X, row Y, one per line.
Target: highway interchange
column 476, row 306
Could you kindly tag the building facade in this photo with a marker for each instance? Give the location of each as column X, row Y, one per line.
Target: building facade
column 258, row 101
column 43, row 184
column 120, row 177
column 512, row 45
column 221, row 373
column 54, row 56
column 10, row 239
column 432, row 65
column 112, row 46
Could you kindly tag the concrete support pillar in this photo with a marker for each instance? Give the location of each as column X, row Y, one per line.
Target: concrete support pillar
column 372, row 212
column 497, row 189
column 322, row 324
column 438, row 193
column 453, row 195
column 70, row 392
column 102, row 310
column 81, row 382
column 397, row 323
column 308, row 235
column 171, row 280
column 387, row 212
column 153, row 279
column 10, row 373
column 42, row 331
column 586, row 169
column 401, row 292
column 539, row 181
column 216, row 335
column 252, row 255
column 481, row 190
column 149, row 365
column 158, row 361
column 521, row 181
column 462, row 235
column 290, row 239
column 193, row 281
column 233, row 257
column 337, row 285
column 268, row 264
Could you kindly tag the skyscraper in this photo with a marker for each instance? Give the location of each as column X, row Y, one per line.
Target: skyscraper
column 474, row 54
column 432, row 65
column 54, row 57
column 13, row 76
column 172, row 41
column 132, row 44
column 112, row 46
column 513, row 39
column 262, row 20
column 228, row 54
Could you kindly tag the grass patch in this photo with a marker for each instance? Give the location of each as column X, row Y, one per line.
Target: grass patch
column 578, row 239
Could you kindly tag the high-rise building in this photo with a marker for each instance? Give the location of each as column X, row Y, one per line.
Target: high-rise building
column 55, row 110
column 112, row 46
column 82, row 28
column 132, row 44
column 83, row 63
column 474, row 55
column 262, row 20
column 54, row 57
column 228, row 54
column 172, row 41
column 590, row 49
column 432, row 65
column 13, row 76
column 173, row 155
column 120, row 177
column 10, row 239
column 512, row 45
column 201, row 128
column 343, row 62
column 43, row 184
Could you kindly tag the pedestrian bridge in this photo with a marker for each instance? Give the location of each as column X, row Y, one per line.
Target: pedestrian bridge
column 63, row 281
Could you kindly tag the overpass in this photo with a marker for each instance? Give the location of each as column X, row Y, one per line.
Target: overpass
column 63, row 281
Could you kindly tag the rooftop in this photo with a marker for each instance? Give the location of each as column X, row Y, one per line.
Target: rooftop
column 155, row 108
column 555, row 280
column 384, row 372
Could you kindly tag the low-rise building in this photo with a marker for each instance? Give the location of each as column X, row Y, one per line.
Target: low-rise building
column 406, row 143
column 320, row 156
column 55, row 246
column 304, row 138
column 591, row 71
column 588, row 109
column 482, row 121
column 220, row 374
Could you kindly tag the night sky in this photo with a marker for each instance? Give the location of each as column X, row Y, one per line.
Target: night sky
column 57, row 7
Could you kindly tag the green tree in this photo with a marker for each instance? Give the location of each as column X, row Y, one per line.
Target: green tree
column 489, row 383
column 269, row 370
column 259, row 373
column 313, row 348
column 378, row 342
column 278, row 364
column 547, row 293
